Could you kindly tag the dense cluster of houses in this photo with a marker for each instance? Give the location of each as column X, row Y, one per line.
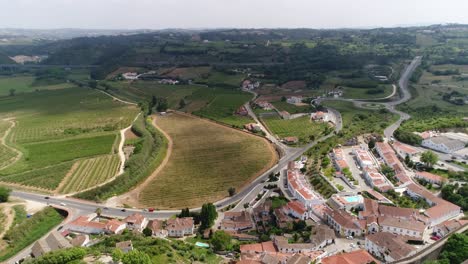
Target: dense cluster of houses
column 93, row 224
column 370, row 168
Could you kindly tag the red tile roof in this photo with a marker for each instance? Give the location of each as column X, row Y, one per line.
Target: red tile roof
column 355, row 257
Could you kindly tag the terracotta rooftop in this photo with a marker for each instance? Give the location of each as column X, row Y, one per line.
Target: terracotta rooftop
column 355, row 257
column 135, row 218
column 412, row 224
column 179, row 223
column 430, row 176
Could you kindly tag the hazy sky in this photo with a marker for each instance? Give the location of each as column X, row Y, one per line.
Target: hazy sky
column 156, row 14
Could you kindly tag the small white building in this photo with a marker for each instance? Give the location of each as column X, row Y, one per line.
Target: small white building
column 412, row 228
column 388, row 246
column 294, row 100
column 130, row 76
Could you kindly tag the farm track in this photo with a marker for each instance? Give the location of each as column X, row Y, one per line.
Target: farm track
column 10, row 216
column 132, row 197
column 19, row 154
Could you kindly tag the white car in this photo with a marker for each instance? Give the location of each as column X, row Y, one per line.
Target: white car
column 63, row 204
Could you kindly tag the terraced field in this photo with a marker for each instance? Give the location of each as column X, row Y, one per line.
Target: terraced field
column 206, row 160
column 90, row 172
column 56, row 128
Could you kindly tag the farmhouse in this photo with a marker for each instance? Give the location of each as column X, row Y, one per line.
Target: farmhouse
column 387, row 246
column 264, row 105
column 53, row 241
column 285, row 115
column 157, row 228
column 320, row 116
column 130, row 76
column 168, row 81
column 443, row 144
column 253, row 127
column 429, row 177
column 291, row 140
column 294, row 100
column 180, row 227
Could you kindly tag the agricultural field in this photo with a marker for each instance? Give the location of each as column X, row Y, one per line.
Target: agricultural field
column 25, row 84
column 215, row 78
column 188, row 73
column 56, row 128
column 301, row 127
column 291, row 108
column 90, row 172
column 6, row 154
column 207, row 159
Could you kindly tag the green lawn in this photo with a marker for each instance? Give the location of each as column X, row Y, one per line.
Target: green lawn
column 362, row 93
column 25, row 84
column 300, row 127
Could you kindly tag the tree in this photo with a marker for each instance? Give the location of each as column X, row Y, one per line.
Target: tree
column 371, row 144
column 4, row 194
column 231, row 191
column 117, row 255
column 246, row 205
column 220, row 241
column 208, row 215
column 430, row 158
column 136, row 257
column 184, row 213
column 182, row 103
column 147, row 232
column 12, row 92
column 98, row 212
column 456, row 249
column 162, row 105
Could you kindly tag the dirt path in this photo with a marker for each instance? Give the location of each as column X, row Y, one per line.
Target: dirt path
column 19, row 154
column 10, row 216
column 132, row 197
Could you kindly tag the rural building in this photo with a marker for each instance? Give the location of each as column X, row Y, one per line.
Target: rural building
column 130, row 76
column 264, row 105
column 157, row 227
column 80, row 241
column 320, row 116
column 168, row 81
column 441, row 209
column 294, row 100
column 136, row 222
column 180, row 227
column 387, row 246
column 448, row 226
column 285, row 115
column 404, row 150
column 237, row 221
column 443, row 144
column 364, row 158
column 53, row 241
column 296, row 209
column 87, row 225
column 343, row 222
column 402, row 227
column 284, row 246
column 322, row 236
column 359, row 256
column 290, row 140
column 254, row 127
column 301, row 189
column 125, row 246
column 430, row 177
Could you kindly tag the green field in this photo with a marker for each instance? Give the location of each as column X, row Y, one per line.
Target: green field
column 222, row 105
column 91, row 172
column 6, row 154
column 301, row 127
column 25, row 84
column 206, row 160
column 55, row 128
column 292, row 109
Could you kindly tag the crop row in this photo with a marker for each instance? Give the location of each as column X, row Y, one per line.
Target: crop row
column 91, row 172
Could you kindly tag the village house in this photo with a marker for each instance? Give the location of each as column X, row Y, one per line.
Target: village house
column 322, row 236
column 253, row 127
column 168, row 81
column 53, row 241
column 346, row 201
column 284, row 246
column 180, row 227
column 430, row 177
column 387, row 246
column 338, row 159
column 448, row 226
column 262, row 215
column 320, row 116
column 80, row 241
column 242, row 111
column 264, row 105
column 136, row 222
column 301, row 189
column 282, row 219
column 377, row 179
column 364, row 158
column 291, row 140
column 285, row 115
column 359, row 256
column 237, row 221
column 294, row 100
column 125, row 246
column 88, row 225
column 402, row 227
column 296, row 209
column 404, row 150
column 441, row 209
column 443, row 144
column 343, row 223
column 157, row 228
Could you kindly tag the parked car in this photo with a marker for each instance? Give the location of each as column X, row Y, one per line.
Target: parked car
column 150, row 210
column 63, row 204
column 435, row 238
column 124, row 210
column 47, row 197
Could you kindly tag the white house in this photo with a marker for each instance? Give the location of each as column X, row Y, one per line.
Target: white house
column 294, row 100
column 443, row 144
column 180, row 227
column 388, row 246
column 136, row 222
column 412, row 228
